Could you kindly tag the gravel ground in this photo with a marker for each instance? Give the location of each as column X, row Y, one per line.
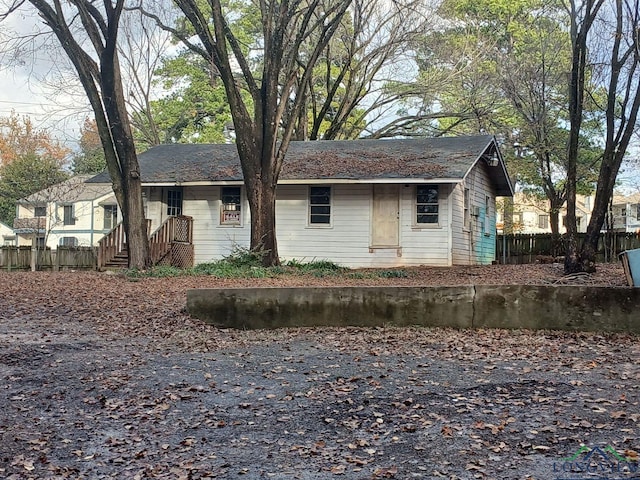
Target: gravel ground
column 104, row 377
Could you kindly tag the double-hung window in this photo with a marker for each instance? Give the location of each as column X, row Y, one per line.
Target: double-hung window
column 174, row 202
column 319, row 206
column 40, row 211
column 427, row 208
column 68, row 218
column 110, row 217
column 231, row 213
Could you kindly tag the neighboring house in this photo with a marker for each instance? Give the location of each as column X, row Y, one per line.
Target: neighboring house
column 625, row 212
column 7, row 236
column 531, row 214
column 362, row 203
column 71, row 213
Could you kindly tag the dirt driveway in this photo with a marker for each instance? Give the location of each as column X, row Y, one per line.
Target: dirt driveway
column 102, row 377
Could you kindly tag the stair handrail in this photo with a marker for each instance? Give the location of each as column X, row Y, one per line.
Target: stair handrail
column 175, row 229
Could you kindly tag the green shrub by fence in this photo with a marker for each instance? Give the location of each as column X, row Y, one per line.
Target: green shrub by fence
column 529, row 247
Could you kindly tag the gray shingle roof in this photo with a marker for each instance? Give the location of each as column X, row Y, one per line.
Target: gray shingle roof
column 425, row 159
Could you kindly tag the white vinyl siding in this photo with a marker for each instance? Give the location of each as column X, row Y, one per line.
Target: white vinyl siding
column 475, row 243
column 347, row 239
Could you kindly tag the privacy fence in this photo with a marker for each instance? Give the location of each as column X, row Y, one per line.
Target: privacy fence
column 64, row 258
column 539, row 247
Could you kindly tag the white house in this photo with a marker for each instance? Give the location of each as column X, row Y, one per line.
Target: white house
column 362, row 203
column 71, row 213
column 625, row 212
column 7, row 236
column 531, row 214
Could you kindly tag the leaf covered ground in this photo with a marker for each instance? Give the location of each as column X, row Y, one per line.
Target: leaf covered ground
column 105, row 376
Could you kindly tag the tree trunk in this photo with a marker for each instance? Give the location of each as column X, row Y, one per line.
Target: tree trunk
column 554, row 222
column 262, row 205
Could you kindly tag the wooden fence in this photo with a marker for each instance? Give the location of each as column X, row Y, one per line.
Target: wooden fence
column 64, row 258
column 531, row 248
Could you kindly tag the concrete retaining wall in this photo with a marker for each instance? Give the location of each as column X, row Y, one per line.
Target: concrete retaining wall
column 510, row 306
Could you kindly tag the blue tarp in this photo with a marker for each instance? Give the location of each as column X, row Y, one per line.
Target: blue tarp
column 633, row 262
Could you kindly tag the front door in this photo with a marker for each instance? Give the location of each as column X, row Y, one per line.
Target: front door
column 385, row 224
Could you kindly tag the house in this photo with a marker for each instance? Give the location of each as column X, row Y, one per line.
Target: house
column 7, row 236
column 71, row 213
column 625, row 212
column 360, row 203
column 531, row 214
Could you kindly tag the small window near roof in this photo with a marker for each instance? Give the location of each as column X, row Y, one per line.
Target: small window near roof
column 40, row 211
column 427, row 204
column 230, row 212
column 319, row 205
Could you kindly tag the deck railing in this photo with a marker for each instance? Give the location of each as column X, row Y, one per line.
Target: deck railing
column 174, row 230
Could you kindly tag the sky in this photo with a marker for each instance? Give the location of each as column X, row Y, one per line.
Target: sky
column 27, row 84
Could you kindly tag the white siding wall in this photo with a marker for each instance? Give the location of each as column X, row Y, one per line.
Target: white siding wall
column 345, row 241
column 474, row 245
column 87, row 229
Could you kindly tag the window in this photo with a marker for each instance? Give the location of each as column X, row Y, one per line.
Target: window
column 427, row 204
column 467, row 213
column 638, row 212
column 174, row 203
column 68, row 218
column 543, row 222
column 487, row 217
column 40, row 243
column 319, row 205
column 110, row 217
column 69, row 242
column 230, row 213
column 40, row 211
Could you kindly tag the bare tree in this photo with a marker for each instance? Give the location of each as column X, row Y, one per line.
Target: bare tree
column 606, row 41
column 88, row 33
column 264, row 119
column 370, row 50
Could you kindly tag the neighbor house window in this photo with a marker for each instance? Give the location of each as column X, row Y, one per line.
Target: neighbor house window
column 467, row 212
column 68, row 218
column 110, row 217
column 638, row 212
column 40, row 211
column 543, row 222
column 230, row 213
column 427, row 204
column 40, row 242
column 174, row 203
column 69, row 242
column 319, row 205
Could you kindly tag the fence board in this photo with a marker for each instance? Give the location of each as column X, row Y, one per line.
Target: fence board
column 64, row 258
column 528, row 248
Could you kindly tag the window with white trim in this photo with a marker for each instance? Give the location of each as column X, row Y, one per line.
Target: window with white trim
column 543, row 222
column 69, row 242
column 320, row 205
column 467, row 212
column 427, row 207
column 174, row 202
column 110, row 216
column 69, row 217
column 40, row 211
column 231, row 209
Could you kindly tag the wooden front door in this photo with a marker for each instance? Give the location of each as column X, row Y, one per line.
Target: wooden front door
column 385, row 221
